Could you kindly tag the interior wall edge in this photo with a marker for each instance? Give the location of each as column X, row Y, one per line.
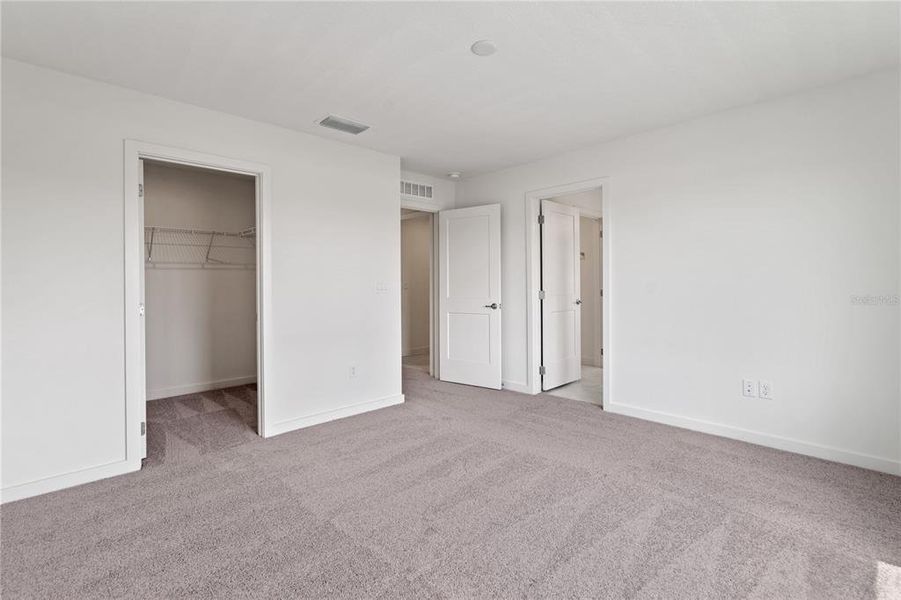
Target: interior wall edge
column 196, row 388
column 28, row 489
column 350, row 410
column 848, row 457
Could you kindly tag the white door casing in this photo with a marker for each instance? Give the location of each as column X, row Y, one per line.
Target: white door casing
column 142, row 333
column 600, row 306
column 469, row 311
column 561, row 314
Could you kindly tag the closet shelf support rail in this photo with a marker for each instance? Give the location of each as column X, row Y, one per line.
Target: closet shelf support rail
column 200, row 247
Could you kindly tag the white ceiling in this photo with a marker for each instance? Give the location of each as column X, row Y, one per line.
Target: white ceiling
column 566, row 74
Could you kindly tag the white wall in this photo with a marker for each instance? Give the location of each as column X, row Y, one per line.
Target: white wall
column 736, row 244
column 63, row 387
column 200, row 322
column 416, row 245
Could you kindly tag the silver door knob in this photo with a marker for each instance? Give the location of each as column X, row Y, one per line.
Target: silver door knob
column 492, row 306
column 578, row 302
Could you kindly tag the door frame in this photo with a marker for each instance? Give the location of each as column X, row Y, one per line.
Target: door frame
column 412, row 204
column 135, row 365
column 533, row 276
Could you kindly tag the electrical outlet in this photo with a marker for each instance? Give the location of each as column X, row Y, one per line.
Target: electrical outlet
column 352, row 372
column 765, row 390
column 748, row 388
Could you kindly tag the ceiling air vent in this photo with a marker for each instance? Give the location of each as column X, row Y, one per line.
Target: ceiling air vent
column 417, row 190
column 345, row 125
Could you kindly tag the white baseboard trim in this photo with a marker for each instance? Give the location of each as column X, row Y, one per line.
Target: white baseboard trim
column 516, row 386
column 866, row 461
column 196, row 388
column 66, row 480
column 331, row 415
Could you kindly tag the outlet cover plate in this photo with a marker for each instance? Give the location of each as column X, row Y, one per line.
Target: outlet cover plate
column 748, row 388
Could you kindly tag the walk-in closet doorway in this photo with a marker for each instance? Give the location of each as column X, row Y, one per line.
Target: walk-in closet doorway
column 195, row 281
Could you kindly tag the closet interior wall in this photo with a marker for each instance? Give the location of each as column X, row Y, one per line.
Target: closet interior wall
column 200, row 279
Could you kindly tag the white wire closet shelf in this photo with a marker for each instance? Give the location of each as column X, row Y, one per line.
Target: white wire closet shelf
column 199, row 248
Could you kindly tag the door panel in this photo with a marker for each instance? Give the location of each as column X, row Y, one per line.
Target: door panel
column 143, row 327
column 469, row 265
column 469, row 337
column 561, row 315
column 468, row 241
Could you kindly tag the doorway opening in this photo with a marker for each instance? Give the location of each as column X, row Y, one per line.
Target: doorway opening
column 464, row 293
column 589, row 386
column 197, row 300
column 200, row 298
column 567, row 307
column 417, row 289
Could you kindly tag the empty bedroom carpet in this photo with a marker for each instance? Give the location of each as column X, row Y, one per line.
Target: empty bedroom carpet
column 462, row 493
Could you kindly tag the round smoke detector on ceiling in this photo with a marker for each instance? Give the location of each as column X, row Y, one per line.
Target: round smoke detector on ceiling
column 483, row 48
column 454, row 174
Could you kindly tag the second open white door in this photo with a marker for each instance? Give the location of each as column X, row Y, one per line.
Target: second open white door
column 469, row 304
column 561, row 310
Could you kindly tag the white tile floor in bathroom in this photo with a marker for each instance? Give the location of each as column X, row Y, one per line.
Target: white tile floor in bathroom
column 588, row 389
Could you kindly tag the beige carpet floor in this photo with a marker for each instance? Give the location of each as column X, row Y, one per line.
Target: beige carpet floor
column 183, row 428
column 460, row 493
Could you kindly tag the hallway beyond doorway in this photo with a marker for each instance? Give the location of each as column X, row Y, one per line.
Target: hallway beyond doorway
column 417, row 361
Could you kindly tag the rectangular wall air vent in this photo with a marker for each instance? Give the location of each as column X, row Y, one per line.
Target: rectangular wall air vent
column 417, row 190
column 345, row 125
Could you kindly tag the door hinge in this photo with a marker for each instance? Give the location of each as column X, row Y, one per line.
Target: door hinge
column 140, row 190
column 541, row 219
column 602, row 352
column 541, row 294
column 143, row 427
column 542, row 370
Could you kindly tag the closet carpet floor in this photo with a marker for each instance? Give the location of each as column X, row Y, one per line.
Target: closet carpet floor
column 459, row 493
column 183, row 428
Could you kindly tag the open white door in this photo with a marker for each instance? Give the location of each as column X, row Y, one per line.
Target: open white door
column 561, row 311
column 469, row 305
column 141, row 311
